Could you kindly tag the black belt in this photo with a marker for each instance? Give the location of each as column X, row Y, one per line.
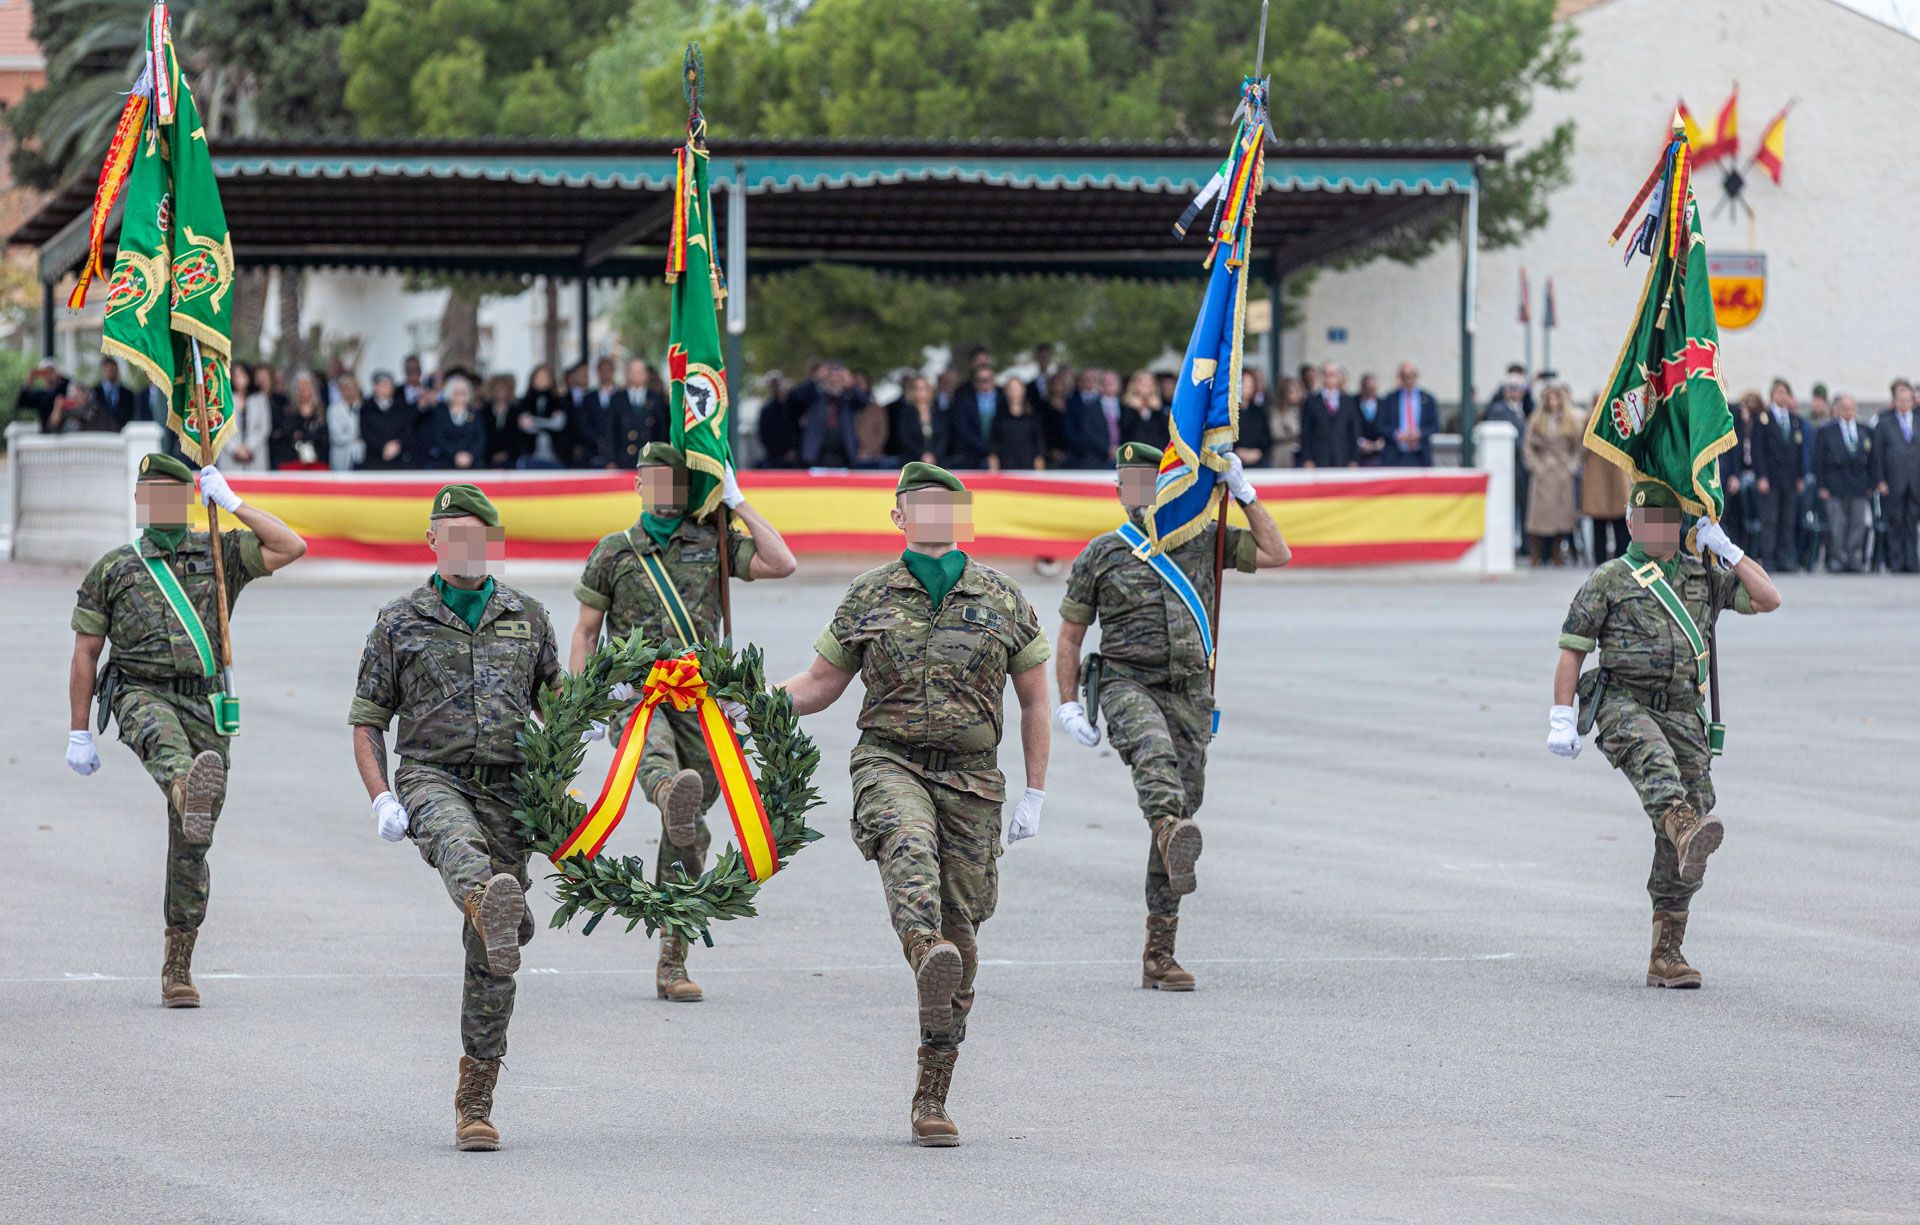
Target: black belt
column 1657, row 700
column 933, row 759
column 485, row 775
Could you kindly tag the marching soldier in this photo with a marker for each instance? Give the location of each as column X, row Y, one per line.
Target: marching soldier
column 461, row 661
column 662, row 577
column 1151, row 676
column 934, row 637
column 157, row 602
column 1651, row 613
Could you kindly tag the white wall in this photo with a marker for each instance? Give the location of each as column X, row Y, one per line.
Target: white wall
column 1840, row 260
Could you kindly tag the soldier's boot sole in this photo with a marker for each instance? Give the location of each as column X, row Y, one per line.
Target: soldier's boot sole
column 206, row 779
column 479, row 1136
column 1706, row 839
column 1684, row 982
column 937, row 979
column 680, row 806
column 502, row 903
column 936, row 1133
column 1181, row 981
column 1180, row 852
column 179, row 995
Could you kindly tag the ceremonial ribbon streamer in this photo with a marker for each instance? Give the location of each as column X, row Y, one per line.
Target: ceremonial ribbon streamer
column 678, row 683
column 113, row 180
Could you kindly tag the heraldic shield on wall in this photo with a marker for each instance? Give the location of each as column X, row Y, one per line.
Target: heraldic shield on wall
column 1739, row 281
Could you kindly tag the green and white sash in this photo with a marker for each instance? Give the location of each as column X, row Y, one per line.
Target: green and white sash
column 226, row 709
column 655, row 569
column 1652, row 580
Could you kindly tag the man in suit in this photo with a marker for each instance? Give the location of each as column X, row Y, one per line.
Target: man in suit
column 974, row 408
column 1412, row 418
column 829, row 437
column 639, row 416
column 412, row 390
column 1896, row 473
column 591, row 419
column 115, row 398
column 1783, row 479
column 1843, row 475
column 1091, row 435
column 1330, row 425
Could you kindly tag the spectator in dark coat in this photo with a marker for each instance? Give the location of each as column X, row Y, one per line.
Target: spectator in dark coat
column 1411, row 418
column 1254, row 446
column 453, row 435
column 592, row 417
column 921, row 429
column 1783, row 477
column 1330, row 427
column 42, row 392
column 120, row 402
column 1896, row 473
column 301, row 440
column 1843, row 479
column 974, row 408
column 543, row 421
column 1017, row 439
column 1091, row 435
column 386, row 427
column 642, row 417
column 829, row 434
column 1374, row 427
column 1143, row 415
column 75, row 412
column 501, row 415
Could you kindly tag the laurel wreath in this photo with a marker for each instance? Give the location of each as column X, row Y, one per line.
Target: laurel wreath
column 784, row 759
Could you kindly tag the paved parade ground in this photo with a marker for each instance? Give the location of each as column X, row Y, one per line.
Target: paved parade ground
column 1420, row 941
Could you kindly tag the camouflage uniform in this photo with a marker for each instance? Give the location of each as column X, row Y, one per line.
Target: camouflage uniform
column 927, row 787
column 462, row 697
column 1648, row 719
column 615, row 583
column 159, row 689
column 1154, row 687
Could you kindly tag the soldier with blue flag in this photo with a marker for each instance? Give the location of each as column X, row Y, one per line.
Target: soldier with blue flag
column 1151, row 676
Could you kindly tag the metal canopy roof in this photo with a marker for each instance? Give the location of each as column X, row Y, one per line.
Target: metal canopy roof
column 956, row 208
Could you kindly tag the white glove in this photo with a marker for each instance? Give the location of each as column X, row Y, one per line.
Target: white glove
column 1562, row 740
column 1237, row 483
column 1712, row 536
column 1025, row 822
column 622, row 692
column 389, row 817
column 81, row 757
column 215, row 492
column 1073, row 717
column 736, row 714
column 730, row 489
column 596, row 730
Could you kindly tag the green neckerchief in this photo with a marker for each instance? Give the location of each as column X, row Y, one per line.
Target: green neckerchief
column 936, row 574
column 166, row 539
column 660, row 528
column 463, row 603
column 1638, row 557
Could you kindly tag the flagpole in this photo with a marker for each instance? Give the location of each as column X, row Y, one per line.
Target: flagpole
column 198, row 397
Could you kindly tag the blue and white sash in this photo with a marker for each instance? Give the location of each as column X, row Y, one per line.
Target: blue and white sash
column 1176, row 580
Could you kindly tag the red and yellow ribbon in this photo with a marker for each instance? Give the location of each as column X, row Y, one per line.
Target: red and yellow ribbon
column 677, row 682
column 113, row 180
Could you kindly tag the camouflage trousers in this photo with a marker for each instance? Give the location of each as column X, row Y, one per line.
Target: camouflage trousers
column 936, row 838
column 1665, row 755
column 168, row 730
column 1162, row 734
column 674, row 743
column 466, row 830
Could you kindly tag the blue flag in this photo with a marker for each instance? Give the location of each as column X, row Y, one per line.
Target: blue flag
column 1204, row 420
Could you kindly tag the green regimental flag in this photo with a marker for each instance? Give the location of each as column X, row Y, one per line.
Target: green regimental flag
column 1663, row 416
column 696, row 363
column 171, row 292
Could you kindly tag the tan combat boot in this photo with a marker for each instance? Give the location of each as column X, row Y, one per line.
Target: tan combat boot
column 1179, row 843
column 1694, row 837
column 195, row 794
column 932, row 1127
column 473, row 1129
column 1158, row 969
column 1666, row 967
column 495, row 910
column 176, row 971
column 670, row 981
column 678, row 799
column 937, row 974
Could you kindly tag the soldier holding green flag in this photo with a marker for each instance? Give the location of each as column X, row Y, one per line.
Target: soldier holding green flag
column 1651, row 613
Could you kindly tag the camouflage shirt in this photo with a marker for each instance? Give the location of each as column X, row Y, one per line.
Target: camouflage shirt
column 1638, row 641
column 1144, row 628
column 461, row 695
column 934, row 677
column 615, row 583
column 119, row 600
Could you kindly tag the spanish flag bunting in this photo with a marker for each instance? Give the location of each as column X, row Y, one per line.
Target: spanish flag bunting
column 1773, row 145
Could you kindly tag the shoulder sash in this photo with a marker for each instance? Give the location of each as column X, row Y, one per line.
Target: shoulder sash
column 1174, row 577
column 1655, row 583
column 183, row 610
column 669, row 595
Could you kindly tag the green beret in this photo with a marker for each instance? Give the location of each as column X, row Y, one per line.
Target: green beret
column 1820, row 389
column 661, row 453
column 1139, row 455
column 918, row 475
column 158, row 467
column 1653, row 493
column 455, row 500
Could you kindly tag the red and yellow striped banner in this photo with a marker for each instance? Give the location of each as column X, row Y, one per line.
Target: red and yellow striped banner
column 678, row 683
column 1360, row 518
